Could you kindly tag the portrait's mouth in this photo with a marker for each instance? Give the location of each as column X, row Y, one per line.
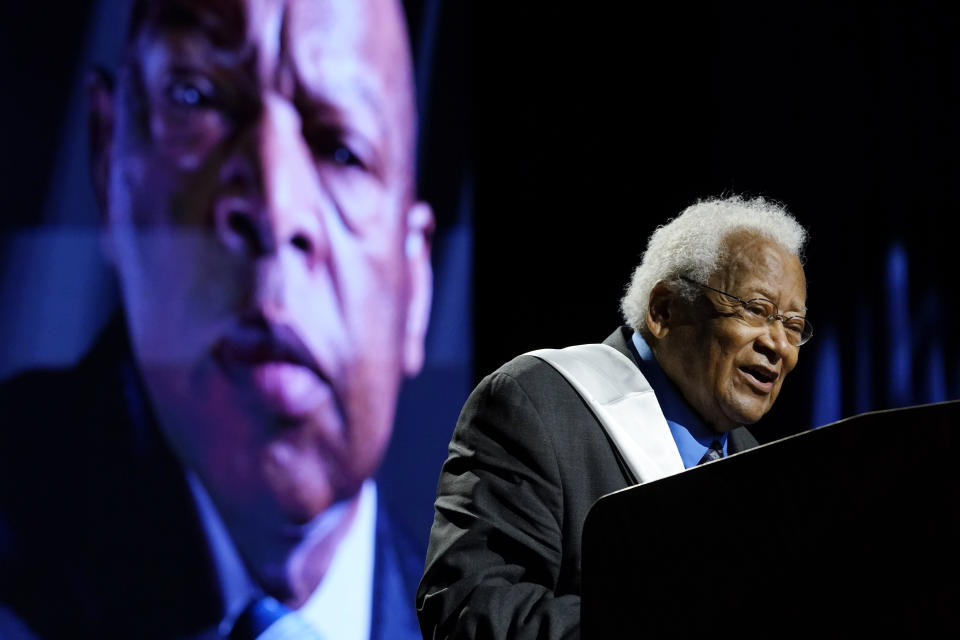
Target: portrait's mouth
column 759, row 377
column 273, row 362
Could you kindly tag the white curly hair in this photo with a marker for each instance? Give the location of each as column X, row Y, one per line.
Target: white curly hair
column 691, row 245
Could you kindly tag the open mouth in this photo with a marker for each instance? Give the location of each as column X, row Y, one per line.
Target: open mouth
column 762, row 376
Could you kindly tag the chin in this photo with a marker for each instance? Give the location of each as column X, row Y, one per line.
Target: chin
column 743, row 407
column 741, row 414
column 298, row 482
column 753, row 417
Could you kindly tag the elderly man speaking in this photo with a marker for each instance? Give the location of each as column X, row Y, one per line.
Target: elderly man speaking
column 715, row 319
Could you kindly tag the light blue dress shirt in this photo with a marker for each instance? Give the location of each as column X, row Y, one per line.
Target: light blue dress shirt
column 692, row 436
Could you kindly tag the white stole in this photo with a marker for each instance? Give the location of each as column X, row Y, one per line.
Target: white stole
column 624, row 403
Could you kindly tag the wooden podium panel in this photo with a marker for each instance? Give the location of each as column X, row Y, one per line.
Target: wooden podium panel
column 845, row 531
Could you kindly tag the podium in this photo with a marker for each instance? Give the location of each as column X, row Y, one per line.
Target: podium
column 849, row 530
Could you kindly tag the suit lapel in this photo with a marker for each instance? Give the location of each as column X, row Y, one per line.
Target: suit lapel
column 740, row 439
column 620, row 340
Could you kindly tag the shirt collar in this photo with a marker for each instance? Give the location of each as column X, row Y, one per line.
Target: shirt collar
column 692, row 436
column 342, row 604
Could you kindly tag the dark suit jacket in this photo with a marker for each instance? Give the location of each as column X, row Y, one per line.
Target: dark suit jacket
column 99, row 536
column 527, row 460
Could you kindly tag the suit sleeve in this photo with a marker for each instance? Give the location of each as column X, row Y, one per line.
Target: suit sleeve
column 495, row 552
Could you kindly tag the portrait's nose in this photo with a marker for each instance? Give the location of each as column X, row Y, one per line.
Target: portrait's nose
column 269, row 203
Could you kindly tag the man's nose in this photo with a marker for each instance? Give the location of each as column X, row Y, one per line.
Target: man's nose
column 269, row 201
column 773, row 341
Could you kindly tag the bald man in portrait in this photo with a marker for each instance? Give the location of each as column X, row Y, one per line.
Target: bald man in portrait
column 206, row 471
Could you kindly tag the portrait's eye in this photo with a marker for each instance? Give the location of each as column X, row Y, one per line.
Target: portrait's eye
column 189, row 113
column 343, row 156
column 189, row 93
column 327, row 149
column 185, row 94
column 334, row 146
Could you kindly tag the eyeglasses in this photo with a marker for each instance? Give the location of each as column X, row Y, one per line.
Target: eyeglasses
column 760, row 312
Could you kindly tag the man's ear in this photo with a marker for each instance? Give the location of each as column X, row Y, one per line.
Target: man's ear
column 419, row 231
column 659, row 309
column 100, row 132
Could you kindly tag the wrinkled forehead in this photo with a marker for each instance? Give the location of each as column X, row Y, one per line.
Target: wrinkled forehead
column 373, row 29
column 330, row 46
column 757, row 266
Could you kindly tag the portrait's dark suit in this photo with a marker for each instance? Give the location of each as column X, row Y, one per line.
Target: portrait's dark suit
column 99, row 534
column 527, row 460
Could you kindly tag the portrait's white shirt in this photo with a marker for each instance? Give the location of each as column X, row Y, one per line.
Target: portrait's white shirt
column 341, row 606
